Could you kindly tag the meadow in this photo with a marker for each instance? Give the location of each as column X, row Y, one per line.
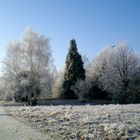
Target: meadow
column 100, row 122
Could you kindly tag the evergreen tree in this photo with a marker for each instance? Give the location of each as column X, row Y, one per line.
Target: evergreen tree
column 74, row 71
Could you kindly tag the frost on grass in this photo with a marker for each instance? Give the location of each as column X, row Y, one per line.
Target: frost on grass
column 83, row 122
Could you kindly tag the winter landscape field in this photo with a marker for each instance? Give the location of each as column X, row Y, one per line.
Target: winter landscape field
column 70, row 70
column 101, row 122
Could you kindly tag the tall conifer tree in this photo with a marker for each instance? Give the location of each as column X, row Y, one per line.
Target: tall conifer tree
column 74, row 70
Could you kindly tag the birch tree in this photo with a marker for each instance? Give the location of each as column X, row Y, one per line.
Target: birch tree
column 38, row 58
column 30, row 59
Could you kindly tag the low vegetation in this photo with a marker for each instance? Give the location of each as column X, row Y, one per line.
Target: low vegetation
column 108, row 122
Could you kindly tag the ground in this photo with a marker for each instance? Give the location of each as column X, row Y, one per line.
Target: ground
column 11, row 129
column 87, row 122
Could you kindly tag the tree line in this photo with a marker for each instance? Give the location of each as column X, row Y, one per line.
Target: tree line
column 28, row 72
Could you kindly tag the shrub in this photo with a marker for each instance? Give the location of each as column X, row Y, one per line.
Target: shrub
column 26, row 87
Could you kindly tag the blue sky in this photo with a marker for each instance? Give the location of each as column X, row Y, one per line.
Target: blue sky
column 94, row 24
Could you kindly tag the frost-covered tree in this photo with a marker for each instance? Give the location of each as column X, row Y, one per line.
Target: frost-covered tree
column 82, row 87
column 94, row 71
column 12, row 65
column 116, row 69
column 12, row 61
column 29, row 60
column 74, row 70
column 38, row 58
column 124, row 68
column 86, row 61
column 58, row 81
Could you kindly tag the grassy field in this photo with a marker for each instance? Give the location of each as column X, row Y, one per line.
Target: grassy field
column 101, row 122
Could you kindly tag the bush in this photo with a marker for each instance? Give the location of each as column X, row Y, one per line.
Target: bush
column 125, row 98
column 88, row 89
column 97, row 93
column 32, row 102
column 26, row 88
column 68, row 94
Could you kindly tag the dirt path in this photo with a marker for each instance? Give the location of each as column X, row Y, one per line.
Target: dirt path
column 11, row 129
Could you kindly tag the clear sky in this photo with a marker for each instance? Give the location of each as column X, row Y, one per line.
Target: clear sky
column 94, row 24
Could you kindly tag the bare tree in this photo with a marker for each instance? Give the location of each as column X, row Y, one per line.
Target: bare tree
column 12, row 61
column 11, row 67
column 38, row 58
column 30, row 58
column 116, row 68
column 59, row 77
